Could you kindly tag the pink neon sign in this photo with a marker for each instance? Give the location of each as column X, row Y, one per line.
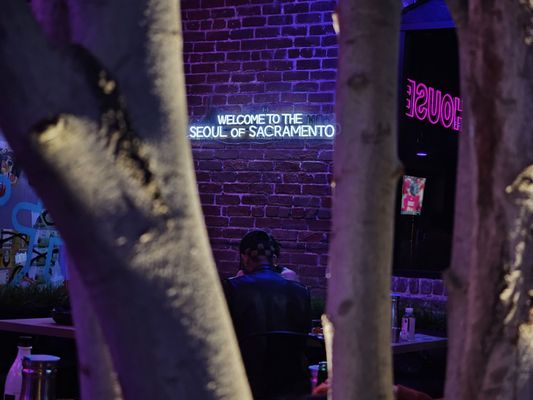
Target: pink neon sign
column 427, row 103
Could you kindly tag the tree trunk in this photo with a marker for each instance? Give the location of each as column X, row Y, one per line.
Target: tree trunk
column 491, row 279
column 101, row 133
column 364, row 186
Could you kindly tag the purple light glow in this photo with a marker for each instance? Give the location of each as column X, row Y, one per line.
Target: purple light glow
column 421, row 154
column 427, row 103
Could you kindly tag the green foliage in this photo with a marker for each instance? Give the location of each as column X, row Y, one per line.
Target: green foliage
column 31, row 301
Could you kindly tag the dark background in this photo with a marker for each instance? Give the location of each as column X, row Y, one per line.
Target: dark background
column 422, row 245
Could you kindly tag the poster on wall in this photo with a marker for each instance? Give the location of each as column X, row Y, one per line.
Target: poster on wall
column 412, row 195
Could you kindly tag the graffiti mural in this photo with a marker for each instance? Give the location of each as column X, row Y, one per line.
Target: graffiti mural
column 28, row 251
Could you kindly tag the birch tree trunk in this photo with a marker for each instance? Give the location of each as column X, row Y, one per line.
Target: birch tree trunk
column 364, row 185
column 97, row 376
column 101, row 133
column 491, row 279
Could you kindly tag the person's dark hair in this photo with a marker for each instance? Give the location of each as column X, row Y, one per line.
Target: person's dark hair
column 259, row 243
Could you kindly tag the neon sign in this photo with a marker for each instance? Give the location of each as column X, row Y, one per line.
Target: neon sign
column 427, row 103
column 264, row 127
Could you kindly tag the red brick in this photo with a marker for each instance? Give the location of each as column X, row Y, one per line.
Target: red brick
column 209, row 188
column 218, row 78
column 254, row 66
column 280, row 20
column 203, row 68
column 280, row 200
column 323, row 5
column 294, row 97
column 326, row 155
column 320, row 225
column 283, row 235
column 254, row 21
column 241, row 34
column 279, row 43
column 219, row 24
column 216, row 221
column 295, row 76
column 295, row 8
column 228, row 46
column 203, row 176
column 211, row 210
column 240, row 211
column 227, row 154
column 294, row 31
column 210, row 165
column 271, row 9
column 256, row 44
column 243, row 77
column 224, row 177
column 224, row 255
column 313, row 178
column 246, row 11
column 306, row 259
column 309, row 41
column 278, row 87
column 207, row 198
column 329, row 63
column 305, row 87
column 271, row 177
column 288, row 189
column 252, row 154
column 235, row 165
column 222, row 12
column 217, row 35
column 330, row 40
column 308, row 64
column 258, row 211
column 271, row 98
column 267, row 32
column 277, row 65
column 246, row 222
column 238, row 56
column 261, row 188
column 234, row 24
column 317, row 190
column 269, row 76
column 254, row 199
column 321, row 29
column 310, row 166
column 261, row 166
column 228, row 66
column 252, row 87
column 226, row 199
column 249, row 177
column 321, row 98
column 287, row 166
column 225, row 89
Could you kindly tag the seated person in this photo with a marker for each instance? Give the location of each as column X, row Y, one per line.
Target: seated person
column 285, row 272
column 261, row 302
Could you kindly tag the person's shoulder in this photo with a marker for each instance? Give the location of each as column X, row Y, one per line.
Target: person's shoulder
column 289, row 274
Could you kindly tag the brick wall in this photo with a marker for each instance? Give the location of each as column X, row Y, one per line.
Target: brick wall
column 247, row 56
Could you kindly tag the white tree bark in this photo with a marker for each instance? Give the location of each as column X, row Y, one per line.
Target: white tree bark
column 491, row 278
column 364, row 185
column 101, row 133
column 97, row 376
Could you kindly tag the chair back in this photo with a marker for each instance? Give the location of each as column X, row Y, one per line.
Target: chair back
column 276, row 363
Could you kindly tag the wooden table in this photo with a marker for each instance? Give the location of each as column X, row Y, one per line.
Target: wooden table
column 37, row 326
column 47, row 327
column 421, row 343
